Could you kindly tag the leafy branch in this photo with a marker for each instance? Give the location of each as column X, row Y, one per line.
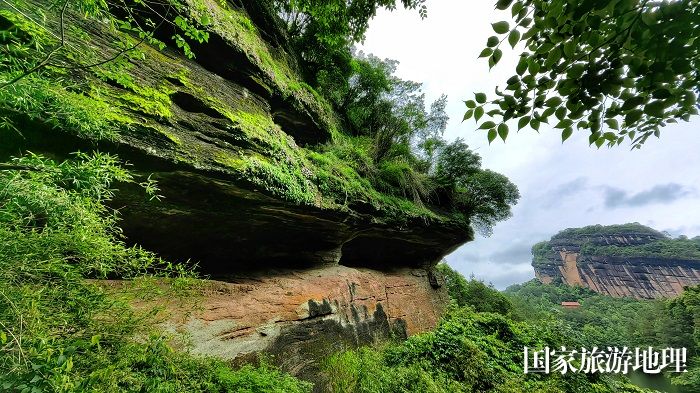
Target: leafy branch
column 620, row 69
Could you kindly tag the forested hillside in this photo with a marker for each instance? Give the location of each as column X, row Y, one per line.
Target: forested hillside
column 606, row 321
column 629, row 260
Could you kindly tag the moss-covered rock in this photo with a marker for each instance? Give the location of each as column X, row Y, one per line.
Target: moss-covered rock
column 235, row 138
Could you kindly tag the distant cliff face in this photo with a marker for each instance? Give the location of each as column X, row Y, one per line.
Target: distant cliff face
column 623, row 260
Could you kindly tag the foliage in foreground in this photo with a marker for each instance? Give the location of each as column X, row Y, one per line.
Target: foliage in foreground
column 622, row 69
column 467, row 352
column 474, row 293
column 62, row 333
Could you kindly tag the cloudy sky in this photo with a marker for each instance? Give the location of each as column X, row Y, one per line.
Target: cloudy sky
column 562, row 185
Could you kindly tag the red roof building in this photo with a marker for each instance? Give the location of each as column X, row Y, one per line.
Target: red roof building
column 570, row 304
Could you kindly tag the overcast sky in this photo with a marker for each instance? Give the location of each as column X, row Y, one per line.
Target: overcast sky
column 562, row 185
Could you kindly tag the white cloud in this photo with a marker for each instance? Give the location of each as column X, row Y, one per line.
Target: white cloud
column 442, row 53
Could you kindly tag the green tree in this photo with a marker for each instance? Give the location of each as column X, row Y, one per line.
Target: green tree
column 474, row 293
column 323, row 32
column 482, row 195
column 621, row 69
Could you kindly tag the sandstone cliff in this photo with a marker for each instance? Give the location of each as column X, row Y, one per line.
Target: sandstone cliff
column 310, row 256
column 621, row 260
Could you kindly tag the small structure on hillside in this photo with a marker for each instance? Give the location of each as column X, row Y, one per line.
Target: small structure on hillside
column 570, row 304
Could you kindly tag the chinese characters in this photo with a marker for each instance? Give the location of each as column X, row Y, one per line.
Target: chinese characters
column 610, row 360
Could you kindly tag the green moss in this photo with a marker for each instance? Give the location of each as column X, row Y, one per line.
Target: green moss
column 43, row 99
column 239, row 30
column 172, row 137
column 286, row 181
column 146, row 99
column 230, row 160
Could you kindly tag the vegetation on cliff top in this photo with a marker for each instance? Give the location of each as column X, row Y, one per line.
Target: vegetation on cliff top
column 633, row 228
column 386, row 149
column 653, row 245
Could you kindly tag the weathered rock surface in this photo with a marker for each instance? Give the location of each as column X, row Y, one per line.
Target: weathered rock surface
column 640, row 277
column 300, row 317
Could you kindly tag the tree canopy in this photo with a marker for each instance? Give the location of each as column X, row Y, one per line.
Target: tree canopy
column 324, row 31
column 621, row 69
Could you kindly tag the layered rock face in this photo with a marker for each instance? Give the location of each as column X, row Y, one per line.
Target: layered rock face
column 594, row 257
column 299, row 317
column 310, row 257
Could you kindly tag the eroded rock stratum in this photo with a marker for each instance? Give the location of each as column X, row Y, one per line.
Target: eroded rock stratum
column 625, row 260
column 310, row 256
column 298, row 317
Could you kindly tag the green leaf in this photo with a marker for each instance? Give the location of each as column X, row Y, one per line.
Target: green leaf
column 661, row 93
column 513, row 38
column 535, row 124
column 553, row 57
column 486, row 52
column 468, row 114
column 570, row 49
column 632, row 103
column 564, row 124
column 522, row 66
column 478, row 113
column 480, row 98
column 533, row 66
column 497, row 54
column 500, row 27
column 487, row 124
column 523, row 122
column 492, row 41
column 655, row 109
column 566, row 133
column 470, row 104
column 516, row 8
column 554, row 101
column 593, row 137
column 612, row 123
column 492, row 135
column 548, row 112
column 560, row 113
column 576, row 70
column 633, row 116
column 503, row 4
column 503, row 131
